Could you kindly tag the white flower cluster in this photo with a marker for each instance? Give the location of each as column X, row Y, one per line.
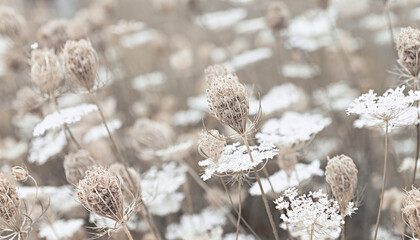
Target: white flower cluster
column 149, row 80
column 67, row 229
column 66, row 116
column 281, row 181
column 293, row 128
column 386, row 108
column 235, row 159
column 99, row 131
column 159, row 188
column 191, row 226
column 311, row 214
column 44, row 147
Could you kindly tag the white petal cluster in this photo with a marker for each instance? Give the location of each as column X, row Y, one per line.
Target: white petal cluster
column 235, row 159
column 408, row 117
column 44, row 147
column 279, row 98
column 66, row 116
column 67, row 228
column 312, row 211
column 293, row 128
column 99, row 131
column 191, row 226
column 159, row 188
column 391, row 105
column 281, row 181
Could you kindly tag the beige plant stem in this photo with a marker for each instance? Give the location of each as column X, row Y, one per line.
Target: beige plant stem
column 343, row 235
column 233, row 207
column 418, row 145
column 383, row 181
column 149, row 218
column 149, row 224
column 240, row 210
column 127, row 232
column 264, row 197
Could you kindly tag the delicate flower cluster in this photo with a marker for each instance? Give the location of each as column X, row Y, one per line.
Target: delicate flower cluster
column 408, row 47
column 227, row 99
column 99, row 131
column 311, row 215
column 44, row 147
column 9, row 201
column 385, row 108
column 46, row 71
column 129, row 178
column 70, row 115
column 211, row 144
column 235, row 160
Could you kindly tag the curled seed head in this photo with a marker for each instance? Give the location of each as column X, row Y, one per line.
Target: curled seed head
column 12, row 24
column 341, row 174
column 9, row 200
column 152, row 135
column 76, row 164
column 129, row 178
column 411, row 208
column 53, row 34
column 277, row 15
column 20, row 173
column 46, row 71
column 81, row 63
column 408, row 47
column 211, row 144
column 100, row 193
column 227, row 98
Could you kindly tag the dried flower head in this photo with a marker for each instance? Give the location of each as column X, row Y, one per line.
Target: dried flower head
column 27, row 100
column 227, row 99
column 81, row 63
column 46, row 71
column 411, row 209
column 408, row 47
column 211, row 144
column 152, row 135
column 9, row 200
column 100, row 193
column 277, row 16
column 20, row 173
column 12, row 24
column 341, row 174
column 76, row 164
column 129, row 178
column 53, row 34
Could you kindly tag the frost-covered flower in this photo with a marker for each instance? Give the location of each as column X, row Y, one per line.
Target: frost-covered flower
column 292, row 130
column 235, row 160
column 281, row 180
column 44, row 147
column 65, row 116
column 191, row 226
column 71, row 227
column 385, row 108
column 99, row 131
column 159, row 188
column 311, row 214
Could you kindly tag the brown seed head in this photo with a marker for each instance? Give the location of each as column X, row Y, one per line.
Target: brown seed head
column 12, row 24
column 81, row 63
column 227, row 99
column 411, row 210
column 152, row 135
column 277, row 15
column 53, row 34
column 100, row 193
column 76, row 164
column 341, row 174
column 211, row 144
column 9, row 200
column 46, row 71
column 20, row 173
column 129, row 178
column 408, row 47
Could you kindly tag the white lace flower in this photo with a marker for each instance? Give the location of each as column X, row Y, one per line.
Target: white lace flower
column 66, row 116
column 159, row 188
column 191, row 226
column 408, row 117
column 292, row 129
column 279, row 98
column 391, row 105
column 67, row 228
column 311, row 213
column 99, row 131
column 281, row 181
column 44, row 147
column 235, row 159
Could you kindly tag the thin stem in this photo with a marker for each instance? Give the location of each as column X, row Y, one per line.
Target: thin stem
column 36, row 186
column 312, row 231
column 268, row 179
column 383, row 181
column 149, row 224
column 155, row 229
column 127, row 232
column 389, row 23
column 343, row 237
column 240, row 210
column 234, row 208
column 417, row 147
column 264, row 197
